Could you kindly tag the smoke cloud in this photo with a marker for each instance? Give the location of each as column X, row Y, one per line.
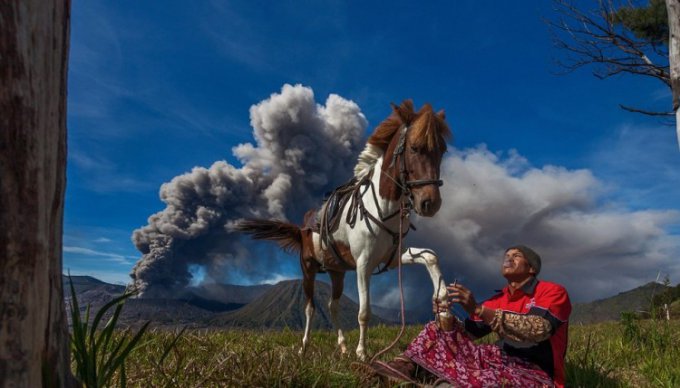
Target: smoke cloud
column 491, row 202
column 302, row 149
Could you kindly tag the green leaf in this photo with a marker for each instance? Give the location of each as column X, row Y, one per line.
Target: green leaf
column 120, row 359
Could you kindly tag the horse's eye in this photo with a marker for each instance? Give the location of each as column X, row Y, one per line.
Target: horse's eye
column 414, row 149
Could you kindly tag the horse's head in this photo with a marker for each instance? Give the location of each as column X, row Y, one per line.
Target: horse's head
column 414, row 144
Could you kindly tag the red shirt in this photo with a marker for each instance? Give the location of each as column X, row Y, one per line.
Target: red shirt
column 545, row 299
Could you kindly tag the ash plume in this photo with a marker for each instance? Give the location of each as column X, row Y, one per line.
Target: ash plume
column 302, row 149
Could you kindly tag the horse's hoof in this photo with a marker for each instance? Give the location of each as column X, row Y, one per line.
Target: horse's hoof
column 343, row 349
column 301, row 352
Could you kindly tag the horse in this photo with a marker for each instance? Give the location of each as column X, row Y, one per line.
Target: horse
column 359, row 229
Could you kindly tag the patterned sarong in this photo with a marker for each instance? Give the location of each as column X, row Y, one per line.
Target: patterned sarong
column 454, row 357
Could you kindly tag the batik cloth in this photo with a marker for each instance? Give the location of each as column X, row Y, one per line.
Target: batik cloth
column 454, row 357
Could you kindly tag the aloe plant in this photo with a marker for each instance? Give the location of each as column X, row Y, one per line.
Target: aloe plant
column 98, row 354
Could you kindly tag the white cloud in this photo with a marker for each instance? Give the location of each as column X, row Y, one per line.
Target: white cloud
column 594, row 248
column 120, row 259
column 641, row 166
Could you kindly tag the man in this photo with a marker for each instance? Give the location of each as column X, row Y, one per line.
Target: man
column 529, row 315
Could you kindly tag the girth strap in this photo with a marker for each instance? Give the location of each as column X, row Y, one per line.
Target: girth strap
column 351, row 194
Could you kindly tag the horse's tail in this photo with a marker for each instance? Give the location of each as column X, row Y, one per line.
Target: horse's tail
column 287, row 235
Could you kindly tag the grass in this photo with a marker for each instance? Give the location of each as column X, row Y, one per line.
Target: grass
column 628, row 354
column 251, row 358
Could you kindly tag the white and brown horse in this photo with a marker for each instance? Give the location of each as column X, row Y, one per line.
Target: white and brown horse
column 398, row 171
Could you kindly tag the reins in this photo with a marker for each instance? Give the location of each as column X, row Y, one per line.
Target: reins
column 405, row 212
column 401, row 298
column 357, row 206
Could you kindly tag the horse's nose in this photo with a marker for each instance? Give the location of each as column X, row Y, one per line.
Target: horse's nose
column 427, row 206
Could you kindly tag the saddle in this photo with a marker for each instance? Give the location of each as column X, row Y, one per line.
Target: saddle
column 327, row 218
column 328, row 215
column 327, row 221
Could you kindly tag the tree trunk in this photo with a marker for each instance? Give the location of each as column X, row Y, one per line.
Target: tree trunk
column 673, row 8
column 34, row 344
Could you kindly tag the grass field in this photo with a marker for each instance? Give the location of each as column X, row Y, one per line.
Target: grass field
column 626, row 354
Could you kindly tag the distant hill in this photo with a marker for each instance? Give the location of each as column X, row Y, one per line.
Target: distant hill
column 227, row 293
column 610, row 309
column 283, row 306
column 167, row 313
column 189, row 310
column 225, row 305
column 86, row 283
column 90, row 291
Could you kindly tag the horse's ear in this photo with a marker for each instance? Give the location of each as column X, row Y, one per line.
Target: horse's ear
column 408, row 105
column 441, row 114
column 405, row 111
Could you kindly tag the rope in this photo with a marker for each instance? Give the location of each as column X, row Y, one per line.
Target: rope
column 403, row 188
column 401, row 292
column 403, row 184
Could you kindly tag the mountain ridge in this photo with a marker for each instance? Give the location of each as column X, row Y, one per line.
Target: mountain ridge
column 282, row 305
column 609, row 309
column 240, row 306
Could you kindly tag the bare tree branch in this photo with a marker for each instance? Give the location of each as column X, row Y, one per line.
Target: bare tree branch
column 614, row 40
column 646, row 112
column 595, row 38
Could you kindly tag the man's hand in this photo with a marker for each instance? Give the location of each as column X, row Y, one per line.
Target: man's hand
column 458, row 293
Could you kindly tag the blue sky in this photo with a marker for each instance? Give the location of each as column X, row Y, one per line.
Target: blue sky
column 157, row 88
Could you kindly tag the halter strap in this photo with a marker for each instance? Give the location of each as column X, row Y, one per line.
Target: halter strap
column 423, row 182
column 403, row 182
column 358, row 208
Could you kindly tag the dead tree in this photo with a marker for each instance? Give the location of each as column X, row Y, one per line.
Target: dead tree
column 603, row 38
column 673, row 10
column 34, row 345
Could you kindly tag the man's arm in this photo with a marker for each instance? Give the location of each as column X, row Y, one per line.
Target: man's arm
column 519, row 327
column 552, row 309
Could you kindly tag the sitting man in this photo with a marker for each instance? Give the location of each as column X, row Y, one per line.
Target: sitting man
column 529, row 315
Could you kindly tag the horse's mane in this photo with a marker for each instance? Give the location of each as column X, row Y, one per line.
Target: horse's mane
column 367, row 159
column 427, row 129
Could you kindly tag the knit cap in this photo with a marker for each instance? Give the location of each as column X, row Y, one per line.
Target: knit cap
column 532, row 257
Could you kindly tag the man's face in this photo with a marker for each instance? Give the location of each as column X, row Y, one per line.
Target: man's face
column 515, row 266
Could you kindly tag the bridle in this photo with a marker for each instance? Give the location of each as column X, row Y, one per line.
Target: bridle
column 405, row 211
column 403, row 182
column 355, row 191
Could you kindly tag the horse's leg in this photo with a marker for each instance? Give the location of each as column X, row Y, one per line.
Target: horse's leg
column 309, row 270
column 429, row 259
column 338, row 282
column 363, row 285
